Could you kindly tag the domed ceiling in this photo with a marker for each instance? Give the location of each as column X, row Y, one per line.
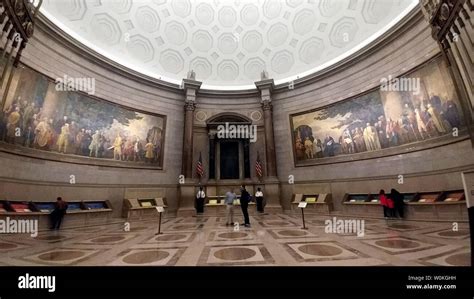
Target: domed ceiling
column 227, row 43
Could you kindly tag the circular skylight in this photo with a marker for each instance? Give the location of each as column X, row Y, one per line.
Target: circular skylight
column 227, row 43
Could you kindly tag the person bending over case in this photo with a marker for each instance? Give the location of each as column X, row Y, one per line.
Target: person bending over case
column 58, row 213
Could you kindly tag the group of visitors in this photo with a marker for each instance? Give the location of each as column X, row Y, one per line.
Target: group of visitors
column 230, row 196
column 393, row 204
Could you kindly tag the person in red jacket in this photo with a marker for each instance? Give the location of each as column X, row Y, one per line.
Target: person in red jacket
column 383, row 201
column 391, row 207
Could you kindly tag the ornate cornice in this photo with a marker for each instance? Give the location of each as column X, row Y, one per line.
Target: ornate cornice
column 265, row 84
column 191, row 84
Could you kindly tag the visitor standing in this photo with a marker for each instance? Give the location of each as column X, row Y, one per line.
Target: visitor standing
column 259, row 198
column 229, row 206
column 244, row 204
column 58, row 213
column 200, row 196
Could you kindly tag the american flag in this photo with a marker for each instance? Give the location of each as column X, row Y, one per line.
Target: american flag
column 258, row 166
column 199, row 167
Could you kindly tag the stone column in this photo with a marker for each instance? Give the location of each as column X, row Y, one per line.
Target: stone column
column 271, row 182
column 265, row 88
column 187, row 190
column 190, row 88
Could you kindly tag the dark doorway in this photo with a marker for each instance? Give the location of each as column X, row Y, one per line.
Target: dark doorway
column 229, row 160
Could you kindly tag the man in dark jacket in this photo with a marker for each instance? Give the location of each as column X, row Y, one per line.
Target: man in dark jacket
column 58, row 213
column 399, row 204
column 244, row 204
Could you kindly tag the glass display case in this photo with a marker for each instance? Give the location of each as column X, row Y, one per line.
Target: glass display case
column 96, row 205
column 45, row 207
column 147, row 202
column 357, row 198
column 20, row 207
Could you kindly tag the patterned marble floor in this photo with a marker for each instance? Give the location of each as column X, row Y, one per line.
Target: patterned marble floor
column 273, row 240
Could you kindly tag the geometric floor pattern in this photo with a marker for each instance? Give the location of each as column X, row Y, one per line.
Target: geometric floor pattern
column 276, row 239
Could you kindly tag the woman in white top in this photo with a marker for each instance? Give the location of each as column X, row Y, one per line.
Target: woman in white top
column 259, row 198
column 200, row 196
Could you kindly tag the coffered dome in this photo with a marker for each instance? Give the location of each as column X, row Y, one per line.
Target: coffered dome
column 227, row 43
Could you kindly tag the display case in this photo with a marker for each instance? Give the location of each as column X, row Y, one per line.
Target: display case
column 20, row 207
column 427, row 197
column 74, row 207
column 452, row 196
column 45, row 207
column 142, row 208
column 147, row 202
column 409, row 197
column 317, row 203
column 441, row 205
column 310, row 198
column 215, row 205
column 78, row 213
column 362, row 204
column 357, row 198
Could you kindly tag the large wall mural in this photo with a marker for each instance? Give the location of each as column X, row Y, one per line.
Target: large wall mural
column 418, row 106
column 39, row 115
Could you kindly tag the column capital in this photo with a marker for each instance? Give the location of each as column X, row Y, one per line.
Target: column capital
column 266, row 104
column 189, row 105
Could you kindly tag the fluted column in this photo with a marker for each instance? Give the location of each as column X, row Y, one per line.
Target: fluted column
column 265, row 87
column 190, row 87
